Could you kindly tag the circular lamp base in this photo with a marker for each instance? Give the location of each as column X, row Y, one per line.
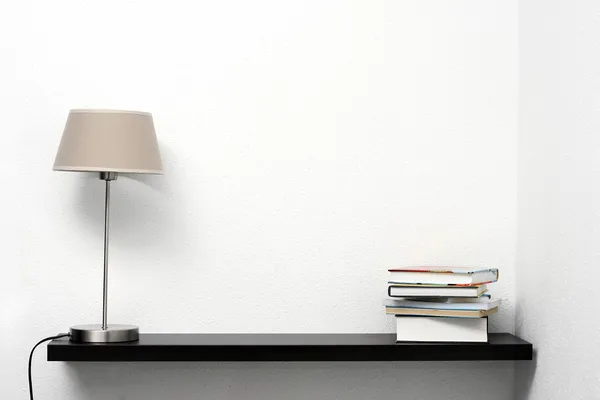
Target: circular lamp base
column 112, row 334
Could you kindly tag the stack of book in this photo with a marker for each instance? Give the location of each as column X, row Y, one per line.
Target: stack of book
column 441, row 304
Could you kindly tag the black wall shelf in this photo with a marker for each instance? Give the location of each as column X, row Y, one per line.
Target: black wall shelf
column 288, row 347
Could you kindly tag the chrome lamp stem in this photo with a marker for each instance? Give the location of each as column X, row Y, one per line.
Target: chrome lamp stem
column 106, row 177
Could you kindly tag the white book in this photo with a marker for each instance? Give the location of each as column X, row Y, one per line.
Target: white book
column 435, row 291
column 481, row 303
column 441, row 329
column 444, row 275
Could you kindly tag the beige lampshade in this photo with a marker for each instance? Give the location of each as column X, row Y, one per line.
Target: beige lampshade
column 109, row 141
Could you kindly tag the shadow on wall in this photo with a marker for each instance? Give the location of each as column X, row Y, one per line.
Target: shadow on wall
column 148, row 213
column 291, row 381
column 524, row 374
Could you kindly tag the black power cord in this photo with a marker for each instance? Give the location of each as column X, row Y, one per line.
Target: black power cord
column 31, row 357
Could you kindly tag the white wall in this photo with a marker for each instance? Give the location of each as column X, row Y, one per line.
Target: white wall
column 308, row 146
column 559, row 207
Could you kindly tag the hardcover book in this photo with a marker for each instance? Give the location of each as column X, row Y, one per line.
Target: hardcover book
column 426, row 329
column 465, row 276
column 428, row 312
column 482, row 303
column 411, row 290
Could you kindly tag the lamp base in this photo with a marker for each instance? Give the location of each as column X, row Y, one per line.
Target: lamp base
column 112, row 334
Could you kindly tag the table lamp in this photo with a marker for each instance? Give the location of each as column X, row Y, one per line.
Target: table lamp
column 108, row 142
